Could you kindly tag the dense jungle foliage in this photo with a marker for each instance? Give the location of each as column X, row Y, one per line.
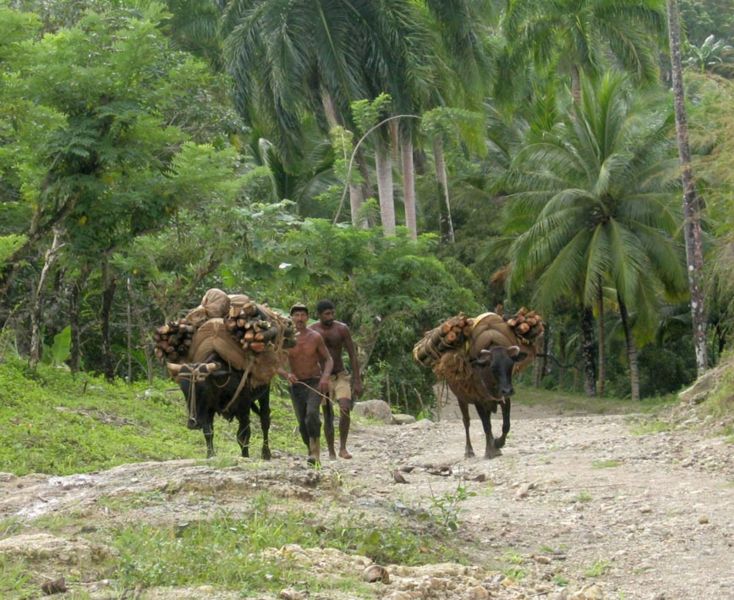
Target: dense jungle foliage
column 408, row 159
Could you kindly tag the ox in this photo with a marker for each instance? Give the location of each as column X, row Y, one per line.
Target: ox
column 492, row 378
column 209, row 389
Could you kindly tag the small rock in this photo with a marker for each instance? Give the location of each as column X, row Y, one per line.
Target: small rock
column 56, row 586
column 477, row 593
column 524, row 490
column 703, row 519
column 375, row 573
column 291, row 594
column 374, row 409
column 645, row 510
column 398, row 477
column 401, row 419
column 543, row 560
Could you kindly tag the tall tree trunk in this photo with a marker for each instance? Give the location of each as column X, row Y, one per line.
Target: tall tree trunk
column 109, row 285
column 75, row 299
column 443, row 185
column 692, row 204
column 576, row 84
column 562, row 357
column 356, row 199
column 587, row 350
column 383, row 164
column 366, row 187
column 631, row 351
column 38, row 298
column 406, row 150
column 602, row 337
column 542, row 364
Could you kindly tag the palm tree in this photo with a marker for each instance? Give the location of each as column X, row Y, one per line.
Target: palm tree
column 601, row 187
column 580, row 36
column 692, row 204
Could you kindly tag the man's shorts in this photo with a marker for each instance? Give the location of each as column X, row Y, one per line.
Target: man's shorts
column 340, row 386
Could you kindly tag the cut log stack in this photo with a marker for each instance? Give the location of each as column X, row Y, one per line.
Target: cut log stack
column 526, row 325
column 258, row 329
column 173, row 340
column 233, row 326
column 450, row 335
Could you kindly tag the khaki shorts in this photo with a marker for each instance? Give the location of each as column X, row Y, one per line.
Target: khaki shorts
column 340, row 386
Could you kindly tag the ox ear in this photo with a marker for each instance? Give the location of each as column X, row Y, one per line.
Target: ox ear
column 516, row 354
column 484, row 358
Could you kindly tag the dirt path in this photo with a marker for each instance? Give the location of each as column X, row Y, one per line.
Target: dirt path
column 575, row 503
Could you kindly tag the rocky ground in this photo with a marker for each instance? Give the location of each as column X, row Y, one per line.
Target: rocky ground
column 577, row 507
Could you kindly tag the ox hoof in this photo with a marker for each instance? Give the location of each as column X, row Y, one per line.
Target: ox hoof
column 469, row 454
column 492, row 452
column 266, row 454
column 499, row 442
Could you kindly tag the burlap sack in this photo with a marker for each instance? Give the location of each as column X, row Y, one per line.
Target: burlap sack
column 216, row 303
column 213, row 337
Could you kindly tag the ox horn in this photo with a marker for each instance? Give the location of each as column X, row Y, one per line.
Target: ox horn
column 513, row 351
column 173, row 369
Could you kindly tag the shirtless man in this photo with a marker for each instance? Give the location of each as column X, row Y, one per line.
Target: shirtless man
column 310, row 370
column 337, row 337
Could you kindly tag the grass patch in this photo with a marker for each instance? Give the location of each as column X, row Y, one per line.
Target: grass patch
column 226, row 551
column 52, row 422
column 651, row 427
column 560, row 580
column 15, row 580
column 605, row 464
column 566, row 402
column 597, row 569
column 583, row 496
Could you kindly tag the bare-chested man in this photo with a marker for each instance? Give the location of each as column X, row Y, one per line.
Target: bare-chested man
column 337, row 337
column 310, row 371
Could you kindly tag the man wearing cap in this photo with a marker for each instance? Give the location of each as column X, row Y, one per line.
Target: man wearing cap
column 337, row 337
column 310, row 370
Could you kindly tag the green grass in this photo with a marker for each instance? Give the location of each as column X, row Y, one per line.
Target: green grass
column 651, row 426
column 566, row 402
column 605, row 464
column 597, row 569
column 51, row 422
column 583, row 497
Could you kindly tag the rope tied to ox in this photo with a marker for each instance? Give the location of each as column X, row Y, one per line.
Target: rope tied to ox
column 197, row 374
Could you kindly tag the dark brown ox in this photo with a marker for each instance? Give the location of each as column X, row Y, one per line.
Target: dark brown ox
column 211, row 389
column 491, row 374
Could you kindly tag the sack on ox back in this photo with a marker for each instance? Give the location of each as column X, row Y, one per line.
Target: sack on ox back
column 214, row 337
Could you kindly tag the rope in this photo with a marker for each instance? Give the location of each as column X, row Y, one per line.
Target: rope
column 327, row 398
column 194, row 376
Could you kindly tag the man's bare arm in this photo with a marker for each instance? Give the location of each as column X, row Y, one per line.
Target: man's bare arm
column 354, row 361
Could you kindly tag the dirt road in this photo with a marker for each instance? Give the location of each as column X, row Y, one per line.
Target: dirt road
column 578, row 506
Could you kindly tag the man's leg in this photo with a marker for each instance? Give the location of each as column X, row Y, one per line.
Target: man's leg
column 329, row 428
column 313, row 427
column 298, row 397
column 345, row 407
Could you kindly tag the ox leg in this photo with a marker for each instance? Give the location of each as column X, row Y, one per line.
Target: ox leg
column 489, row 450
column 500, row 441
column 265, row 424
column 243, row 432
column 208, row 429
column 468, row 450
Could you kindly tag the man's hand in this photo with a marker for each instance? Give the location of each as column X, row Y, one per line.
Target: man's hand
column 324, row 389
column 357, row 386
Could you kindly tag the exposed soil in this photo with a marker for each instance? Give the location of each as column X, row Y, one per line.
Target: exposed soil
column 576, row 507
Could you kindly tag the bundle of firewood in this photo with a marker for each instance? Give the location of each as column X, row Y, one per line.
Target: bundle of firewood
column 450, row 335
column 526, row 325
column 173, row 340
column 257, row 328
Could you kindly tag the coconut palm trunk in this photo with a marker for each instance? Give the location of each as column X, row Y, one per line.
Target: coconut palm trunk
column 109, row 283
column 443, row 184
column 602, row 336
column 356, row 198
column 691, row 202
column 631, row 351
column 383, row 164
column 587, row 351
column 406, row 154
